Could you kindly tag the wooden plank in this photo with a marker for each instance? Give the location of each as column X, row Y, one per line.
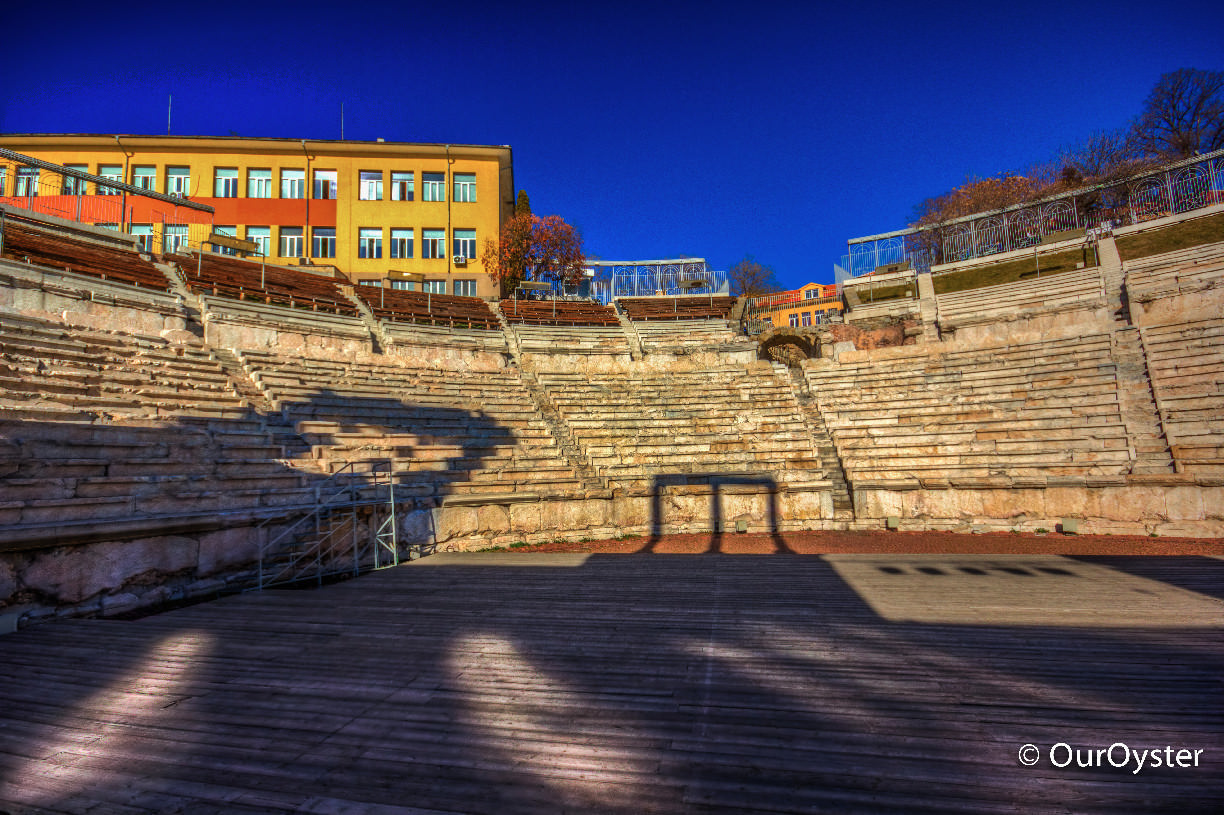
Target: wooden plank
column 501, row 682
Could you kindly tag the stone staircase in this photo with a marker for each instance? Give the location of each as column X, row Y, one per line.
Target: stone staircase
column 512, row 344
column 574, row 455
column 371, row 322
column 280, row 431
column 1138, row 405
column 843, row 501
column 635, row 341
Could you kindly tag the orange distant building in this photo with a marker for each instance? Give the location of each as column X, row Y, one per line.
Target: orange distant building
column 806, row 306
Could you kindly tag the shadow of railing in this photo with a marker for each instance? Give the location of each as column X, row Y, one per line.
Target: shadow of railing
column 717, row 482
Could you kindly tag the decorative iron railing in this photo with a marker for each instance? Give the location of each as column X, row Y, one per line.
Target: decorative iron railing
column 1181, row 186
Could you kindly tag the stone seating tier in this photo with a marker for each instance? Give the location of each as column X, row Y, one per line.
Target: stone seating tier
column 47, row 364
column 662, row 334
column 448, row 433
column 558, row 312
column 224, row 276
column 267, row 315
column 545, row 339
column 58, row 250
column 1184, row 270
column 1186, row 361
column 1026, row 410
column 1052, row 291
column 635, row 428
column 676, row 308
column 394, row 305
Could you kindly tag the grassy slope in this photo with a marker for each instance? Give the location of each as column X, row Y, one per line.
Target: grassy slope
column 1178, row 236
column 1024, row 268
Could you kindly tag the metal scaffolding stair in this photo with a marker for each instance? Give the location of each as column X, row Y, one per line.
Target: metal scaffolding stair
column 351, row 529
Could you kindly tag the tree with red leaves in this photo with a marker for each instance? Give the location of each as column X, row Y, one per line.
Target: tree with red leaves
column 531, row 247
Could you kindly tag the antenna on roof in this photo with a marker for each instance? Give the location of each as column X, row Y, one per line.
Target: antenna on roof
column 169, row 102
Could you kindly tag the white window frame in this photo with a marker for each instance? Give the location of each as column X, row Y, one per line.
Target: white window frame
column 465, row 188
column 369, row 185
column 403, row 185
column 466, row 245
column 112, row 172
column 465, row 288
column 325, row 185
column 292, row 184
column 143, row 233
column 27, row 182
column 76, row 186
column 434, row 286
column 259, row 183
column 402, row 244
column 3, row 180
column 261, row 235
column 433, row 244
column 403, row 285
column 369, row 243
column 178, row 181
column 322, row 244
column 225, row 182
column 145, row 177
column 229, row 232
column 794, row 319
column 292, row 242
column 174, row 238
column 433, row 186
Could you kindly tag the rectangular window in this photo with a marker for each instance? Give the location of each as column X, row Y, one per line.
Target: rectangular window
column 402, row 186
column 261, row 235
column 229, row 232
column 143, row 233
column 465, row 288
column 293, row 183
column 115, row 227
column 465, row 187
column 323, row 242
column 434, row 186
column 75, row 186
column 176, row 237
column 370, row 185
column 434, row 286
column 402, row 285
column 369, row 243
column 291, row 242
column 27, row 181
column 145, row 178
column 259, row 183
column 465, row 243
column 401, row 243
column 794, row 319
column 3, row 180
column 114, row 172
column 324, row 185
column 178, row 181
column 807, row 318
column 377, row 283
column 225, row 184
column 433, row 243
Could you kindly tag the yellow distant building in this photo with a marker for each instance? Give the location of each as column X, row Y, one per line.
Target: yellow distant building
column 810, row 305
column 410, row 216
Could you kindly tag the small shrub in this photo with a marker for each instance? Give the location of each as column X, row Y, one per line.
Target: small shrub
column 1041, row 530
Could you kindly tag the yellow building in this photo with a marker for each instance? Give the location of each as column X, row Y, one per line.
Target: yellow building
column 810, row 305
column 383, row 213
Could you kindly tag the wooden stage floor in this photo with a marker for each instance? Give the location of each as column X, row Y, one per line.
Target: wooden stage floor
column 510, row 683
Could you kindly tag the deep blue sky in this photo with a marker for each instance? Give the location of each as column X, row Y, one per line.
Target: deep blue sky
column 776, row 130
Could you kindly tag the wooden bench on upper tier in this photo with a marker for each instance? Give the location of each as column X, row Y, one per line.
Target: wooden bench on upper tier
column 558, row 312
column 46, row 247
column 394, row 305
column 220, row 275
column 676, row 308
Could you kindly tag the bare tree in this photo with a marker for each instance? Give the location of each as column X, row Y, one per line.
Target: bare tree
column 1183, row 114
column 750, row 279
column 1103, row 155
